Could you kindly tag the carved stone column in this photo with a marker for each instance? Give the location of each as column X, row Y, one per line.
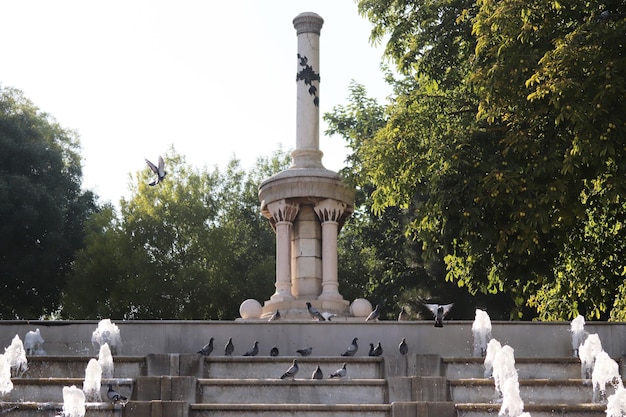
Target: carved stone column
column 329, row 212
column 283, row 214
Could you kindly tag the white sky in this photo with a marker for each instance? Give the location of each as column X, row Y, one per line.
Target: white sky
column 215, row 79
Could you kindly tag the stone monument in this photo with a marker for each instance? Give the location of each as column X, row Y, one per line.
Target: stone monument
column 306, row 204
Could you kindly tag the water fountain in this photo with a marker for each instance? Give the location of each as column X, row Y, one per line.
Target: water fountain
column 503, row 367
column 512, row 404
column 587, row 353
column 6, row 385
column 105, row 359
column 92, row 382
column 605, row 373
column 577, row 328
column 616, row 404
column 33, row 343
column 16, row 356
column 73, row 402
column 481, row 329
column 109, row 333
column 492, row 348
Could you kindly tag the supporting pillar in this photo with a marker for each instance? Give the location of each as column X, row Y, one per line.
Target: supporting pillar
column 283, row 215
column 330, row 212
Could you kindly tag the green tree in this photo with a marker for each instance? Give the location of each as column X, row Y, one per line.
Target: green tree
column 505, row 138
column 193, row 247
column 42, row 207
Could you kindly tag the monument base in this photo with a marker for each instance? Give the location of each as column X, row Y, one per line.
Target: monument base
column 297, row 309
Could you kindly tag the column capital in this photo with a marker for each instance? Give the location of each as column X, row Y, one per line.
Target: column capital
column 282, row 211
column 330, row 210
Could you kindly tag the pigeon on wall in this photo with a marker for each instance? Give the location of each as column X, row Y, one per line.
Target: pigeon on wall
column 439, row 312
column 115, row 396
column 376, row 351
column 275, row 316
column 374, row 315
column 207, row 349
column 159, row 170
column 314, row 312
column 229, row 348
column 403, row 316
column 254, row 350
column 328, row 315
column 292, row 371
column 340, row 373
column 352, row 349
column 305, row 352
column 274, row 351
column 402, row 347
column 317, row 374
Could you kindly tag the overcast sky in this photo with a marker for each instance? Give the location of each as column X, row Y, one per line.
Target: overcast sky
column 214, row 79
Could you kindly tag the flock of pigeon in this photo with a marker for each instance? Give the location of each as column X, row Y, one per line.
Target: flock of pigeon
column 439, row 313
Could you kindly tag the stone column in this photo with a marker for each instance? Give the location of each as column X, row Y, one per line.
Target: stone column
column 283, row 215
column 307, row 153
column 329, row 212
column 306, row 255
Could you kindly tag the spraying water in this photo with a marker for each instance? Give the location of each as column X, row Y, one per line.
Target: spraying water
column 481, row 329
column 577, row 328
column 616, row 404
column 109, row 333
column 105, row 359
column 492, row 348
column 503, row 367
column 16, row 356
column 6, row 385
column 605, row 373
column 33, row 343
column 73, row 402
column 92, row 382
column 587, row 353
column 512, row 404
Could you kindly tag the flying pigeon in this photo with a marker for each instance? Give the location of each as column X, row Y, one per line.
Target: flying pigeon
column 317, row 374
column 254, row 350
column 305, row 352
column 402, row 347
column 292, row 371
column 207, row 349
column 352, row 348
column 328, row 316
column 158, row 171
column 314, row 312
column 403, row 315
column 340, row 373
column 374, row 314
column 229, row 348
column 376, row 351
column 439, row 311
column 115, row 396
column 274, row 351
column 275, row 316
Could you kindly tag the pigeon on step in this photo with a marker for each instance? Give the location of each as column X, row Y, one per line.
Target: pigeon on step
column 317, row 374
column 340, row 373
column 402, row 347
column 352, row 349
column 254, row 350
column 229, row 348
column 207, row 349
column 115, row 396
column 314, row 312
column 305, row 352
column 292, row 371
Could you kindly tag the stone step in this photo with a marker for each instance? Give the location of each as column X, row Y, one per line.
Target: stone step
column 546, row 410
column 289, row 410
column 298, row 391
column 55, row 409
column 532, row 391
column 74, row 366
column 44, row 390
column 273, row 367
column 527, row 368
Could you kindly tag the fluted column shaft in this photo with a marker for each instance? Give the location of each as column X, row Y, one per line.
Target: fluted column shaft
column 283, row 215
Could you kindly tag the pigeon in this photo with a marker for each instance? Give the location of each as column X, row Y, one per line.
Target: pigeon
column 207, row 349
column 229, row 348
column 158, row 171
column 376, row 351
column 292, row 371
column 274, row 351
column 314, row 312
column 275, row 316
column 439, row 311
column 403, row 316
column 374, row 314
column 317, row 374
column 254, row 350
column 328, row 316
column 402, row 347
column 115, row 396
column 305, row 352
column 352, row 348
column 340, row 373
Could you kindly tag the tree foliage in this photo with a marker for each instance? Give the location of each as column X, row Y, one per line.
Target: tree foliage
column 193, row 247
column 505, row 140
column 42, row 207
